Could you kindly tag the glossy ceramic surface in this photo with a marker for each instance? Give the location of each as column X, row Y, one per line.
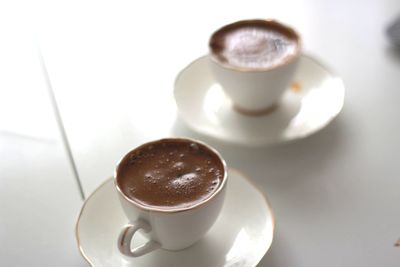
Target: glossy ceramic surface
column 241, row 236
column 314, row 99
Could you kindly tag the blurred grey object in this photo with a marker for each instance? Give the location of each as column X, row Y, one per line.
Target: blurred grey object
column 393, row 31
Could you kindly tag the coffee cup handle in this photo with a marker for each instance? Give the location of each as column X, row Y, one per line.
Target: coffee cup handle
column 126, row 235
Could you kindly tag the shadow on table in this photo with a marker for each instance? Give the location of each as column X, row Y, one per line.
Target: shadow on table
column 393, row 53
column 281, row 164
column 281, row 168
column 273, row 258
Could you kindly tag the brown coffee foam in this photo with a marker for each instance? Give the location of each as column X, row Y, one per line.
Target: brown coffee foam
column 218, row 38
column 159, row 176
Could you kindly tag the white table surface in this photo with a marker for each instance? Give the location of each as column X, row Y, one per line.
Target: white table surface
column 39, row 197
column 336, row 194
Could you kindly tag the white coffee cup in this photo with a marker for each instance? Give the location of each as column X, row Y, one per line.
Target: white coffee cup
column 253, row 90
column 168, row 229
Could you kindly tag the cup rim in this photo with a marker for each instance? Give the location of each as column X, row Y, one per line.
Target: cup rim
column 172, row 210
column 273, row 22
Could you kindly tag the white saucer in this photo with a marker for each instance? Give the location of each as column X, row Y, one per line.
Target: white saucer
column 241, row 236
column 202, row 104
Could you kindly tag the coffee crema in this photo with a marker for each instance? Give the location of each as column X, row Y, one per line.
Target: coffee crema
column 254, row 44
column 170, row 174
